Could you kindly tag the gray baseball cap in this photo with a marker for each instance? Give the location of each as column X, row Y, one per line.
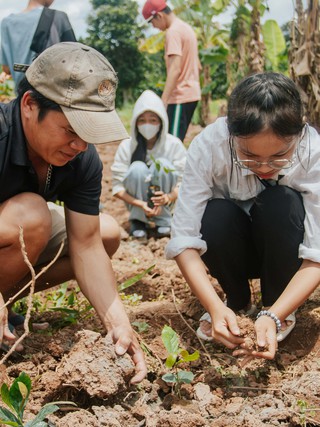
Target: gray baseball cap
column 83, row 82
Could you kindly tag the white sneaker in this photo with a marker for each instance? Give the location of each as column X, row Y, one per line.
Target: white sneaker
column 164, row 231
column 139, row 234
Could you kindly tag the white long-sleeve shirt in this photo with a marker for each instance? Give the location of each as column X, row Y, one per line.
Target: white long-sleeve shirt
column 211, row 173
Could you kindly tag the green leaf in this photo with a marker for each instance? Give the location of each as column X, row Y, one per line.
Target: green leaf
column 134, row 279
column 169, row 378
column 185, row 377
column 170, row 339
column 43, row 413
column 171, row 360
column 19, row 393
column 141, row 326
column 186, row 357
column 274, row 41
column 5, row 396
column 39, row 424
column 8, row 418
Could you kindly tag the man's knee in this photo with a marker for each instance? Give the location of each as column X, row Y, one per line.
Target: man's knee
column 28, row 212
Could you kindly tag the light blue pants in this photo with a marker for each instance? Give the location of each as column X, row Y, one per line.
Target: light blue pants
column 137, row 182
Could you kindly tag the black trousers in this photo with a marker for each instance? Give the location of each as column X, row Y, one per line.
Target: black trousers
column 263, row 245
column 180, row 116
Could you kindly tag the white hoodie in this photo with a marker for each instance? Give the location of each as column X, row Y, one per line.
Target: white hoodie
column 167, row 146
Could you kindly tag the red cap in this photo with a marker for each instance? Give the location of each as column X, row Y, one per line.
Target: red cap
column 152, row 7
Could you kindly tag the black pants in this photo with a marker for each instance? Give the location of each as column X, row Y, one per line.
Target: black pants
column 180, row 116
column 263, row 245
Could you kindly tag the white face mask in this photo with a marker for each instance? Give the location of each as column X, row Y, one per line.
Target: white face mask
column 148, row 130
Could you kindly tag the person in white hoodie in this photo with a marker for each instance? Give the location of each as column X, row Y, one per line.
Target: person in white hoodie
column 148, row 168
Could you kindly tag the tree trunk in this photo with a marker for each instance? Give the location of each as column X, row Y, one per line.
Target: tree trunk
column 256, row 45
column 205, row 98
column 304, row 56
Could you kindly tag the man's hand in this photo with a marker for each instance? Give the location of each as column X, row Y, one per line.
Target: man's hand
column 125, row 341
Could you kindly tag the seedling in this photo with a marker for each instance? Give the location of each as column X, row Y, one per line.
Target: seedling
column 176, row 356
column 141, row 326
column 16, row 398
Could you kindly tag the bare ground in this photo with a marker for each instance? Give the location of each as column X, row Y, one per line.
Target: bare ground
column 78, row 363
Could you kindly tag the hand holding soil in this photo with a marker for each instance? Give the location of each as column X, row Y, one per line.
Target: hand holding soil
column 250, row 349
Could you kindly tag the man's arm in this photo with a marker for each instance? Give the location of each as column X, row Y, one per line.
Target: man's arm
column 95, row 276
column 173, row 73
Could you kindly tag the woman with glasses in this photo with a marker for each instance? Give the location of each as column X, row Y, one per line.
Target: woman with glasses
column 248, row 208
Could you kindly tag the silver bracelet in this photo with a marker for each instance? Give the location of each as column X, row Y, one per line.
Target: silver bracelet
column 273, row 317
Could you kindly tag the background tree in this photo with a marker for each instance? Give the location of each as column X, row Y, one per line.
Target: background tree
column 304, row 57
column 113, row 31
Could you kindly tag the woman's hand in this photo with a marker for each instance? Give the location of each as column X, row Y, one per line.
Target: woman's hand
column 266, row 335
column 160, row 199
column 225, row 328
column 149, row 212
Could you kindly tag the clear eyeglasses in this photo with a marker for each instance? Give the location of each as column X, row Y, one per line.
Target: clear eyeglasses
column 272, row 163
column 255, row 164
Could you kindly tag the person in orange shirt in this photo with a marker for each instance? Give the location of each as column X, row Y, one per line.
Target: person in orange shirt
column 182, row 88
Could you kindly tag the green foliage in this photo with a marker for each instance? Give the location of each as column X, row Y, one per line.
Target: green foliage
column 132, row 280
column 274, row 42
column 141, row 326
column 176, row 356
column 114, row 32
column 16, row 398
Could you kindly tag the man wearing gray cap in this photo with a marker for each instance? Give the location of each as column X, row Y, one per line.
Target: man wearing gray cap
column 65, row 105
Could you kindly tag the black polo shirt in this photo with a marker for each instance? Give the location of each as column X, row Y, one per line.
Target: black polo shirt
column 77, row 184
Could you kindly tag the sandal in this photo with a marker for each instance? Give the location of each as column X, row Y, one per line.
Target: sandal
column 284, row 333
column 200, row 334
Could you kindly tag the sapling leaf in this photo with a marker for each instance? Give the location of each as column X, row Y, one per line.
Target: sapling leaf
column 167, row 170
column 141, row 326
column 39, row 424
column 5, row 396
column 46, row 410
column 186, row 357
column 169, row 378
column 132, row 280
column 8, row 418
column 18, row 399
column 185, row 377
column 171, row 360
column 170, row 339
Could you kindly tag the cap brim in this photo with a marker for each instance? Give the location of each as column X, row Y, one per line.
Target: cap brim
column 96, row 127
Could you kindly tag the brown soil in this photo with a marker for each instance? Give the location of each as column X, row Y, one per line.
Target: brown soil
column 78, row 363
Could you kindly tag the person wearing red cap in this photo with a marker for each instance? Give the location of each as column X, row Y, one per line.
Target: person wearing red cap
column 182, row 89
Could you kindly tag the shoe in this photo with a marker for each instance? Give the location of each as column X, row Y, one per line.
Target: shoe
column 284, row 333
column 138, row 229
column 204, row 318
column 164, row 231
column 15, row 319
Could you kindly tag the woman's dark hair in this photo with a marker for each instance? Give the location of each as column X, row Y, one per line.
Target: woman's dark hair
column 265, row 101
column 44, row 103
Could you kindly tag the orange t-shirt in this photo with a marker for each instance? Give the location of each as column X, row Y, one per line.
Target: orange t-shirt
column 181, row 40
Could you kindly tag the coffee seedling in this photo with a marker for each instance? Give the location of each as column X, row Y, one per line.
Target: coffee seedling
column 16, row 398
column 175, row 357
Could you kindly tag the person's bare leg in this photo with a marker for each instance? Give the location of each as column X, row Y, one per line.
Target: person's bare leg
column 29, row 211
column 61, row 270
